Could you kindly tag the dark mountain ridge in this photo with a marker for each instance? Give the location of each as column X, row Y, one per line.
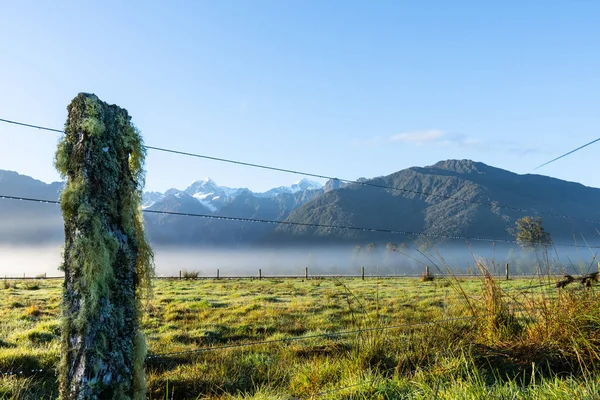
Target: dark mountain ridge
column 453, row 198
column 450, row 198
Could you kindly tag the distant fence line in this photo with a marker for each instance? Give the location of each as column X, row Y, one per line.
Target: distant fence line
column 195, row 275
column 313, row 277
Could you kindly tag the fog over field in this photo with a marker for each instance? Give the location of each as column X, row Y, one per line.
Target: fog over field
column 342, row 260
column 31, row 261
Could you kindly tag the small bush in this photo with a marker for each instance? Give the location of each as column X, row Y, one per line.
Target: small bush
column 190, row 275
column 6, row 284
column 32, row 285
column 427, row 278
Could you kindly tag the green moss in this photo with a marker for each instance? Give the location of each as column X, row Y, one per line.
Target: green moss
column 108, row 261
column 139, row 381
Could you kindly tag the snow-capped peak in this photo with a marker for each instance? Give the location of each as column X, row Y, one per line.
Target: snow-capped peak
column 306, row 184
column 301, row 185
column 204, row 182
column 214, row 197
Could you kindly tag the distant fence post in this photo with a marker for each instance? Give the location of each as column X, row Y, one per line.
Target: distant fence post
column 362, row 273
column 427, row 270
column 259, row 274
column 506, row 271
column 305, row 272
column 217, row 273
column 179, row 274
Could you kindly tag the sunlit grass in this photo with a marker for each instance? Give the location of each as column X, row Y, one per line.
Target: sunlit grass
column 527, row 342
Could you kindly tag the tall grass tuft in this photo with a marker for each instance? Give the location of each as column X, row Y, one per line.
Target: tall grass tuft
column 501, row 323
column 9, row 284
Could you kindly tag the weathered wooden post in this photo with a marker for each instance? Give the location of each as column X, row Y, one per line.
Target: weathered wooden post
column 259, row 274
column 507, row 271
column 107, row 261
column 362, row 273
column 179, row 275
column 306, row 273
column 217, row 273
column 427, row 270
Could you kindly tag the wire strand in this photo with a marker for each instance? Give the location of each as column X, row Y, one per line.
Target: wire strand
column 307, row 224
column 300, row 338
column 22, row 372
column 43, row 128
column 350, row 181
column 566, row 154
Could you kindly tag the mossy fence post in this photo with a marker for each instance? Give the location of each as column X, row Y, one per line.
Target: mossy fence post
column 108, row 264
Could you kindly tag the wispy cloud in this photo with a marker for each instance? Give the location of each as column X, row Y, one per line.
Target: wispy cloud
column 441, row 138
column 419, row 137
column 438, row 137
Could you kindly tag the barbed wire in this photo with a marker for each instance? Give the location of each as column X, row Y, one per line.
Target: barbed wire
column 567, row 153
column 23, row 372
column 312, row 225
column 331, row 335
column 43, row 128
column 30, row 199
column 321, row 176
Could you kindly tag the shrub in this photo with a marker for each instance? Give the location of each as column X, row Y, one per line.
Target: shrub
column 6, row 284
column 32, row 285
column 190, row 275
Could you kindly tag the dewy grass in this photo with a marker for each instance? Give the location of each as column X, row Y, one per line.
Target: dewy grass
column 553, row 353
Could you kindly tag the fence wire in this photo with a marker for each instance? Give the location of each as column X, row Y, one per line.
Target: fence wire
column 348, row 181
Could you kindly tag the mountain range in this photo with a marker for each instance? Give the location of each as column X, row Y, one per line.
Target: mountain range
column 215, row 197
column 449, row 198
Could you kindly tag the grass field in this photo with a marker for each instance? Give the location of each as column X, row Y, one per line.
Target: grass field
column 496, row 339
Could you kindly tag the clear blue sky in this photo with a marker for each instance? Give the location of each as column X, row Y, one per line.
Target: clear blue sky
column 342, row 88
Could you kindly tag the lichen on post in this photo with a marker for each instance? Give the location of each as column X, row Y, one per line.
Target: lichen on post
column 108, row 264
